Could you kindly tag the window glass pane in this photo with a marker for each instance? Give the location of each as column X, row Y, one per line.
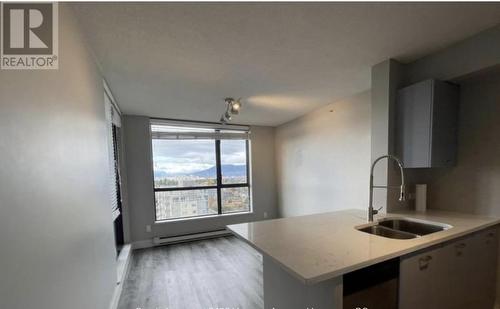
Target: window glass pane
column 233, row 161
column 184, row 163
column 185, row 203
column 235, row 199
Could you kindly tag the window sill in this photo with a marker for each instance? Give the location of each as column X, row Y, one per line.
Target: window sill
column 241, row 213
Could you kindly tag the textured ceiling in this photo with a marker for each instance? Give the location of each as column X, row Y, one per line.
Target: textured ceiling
column 179, row 60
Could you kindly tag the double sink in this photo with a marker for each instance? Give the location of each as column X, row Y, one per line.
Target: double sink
column 403, row 228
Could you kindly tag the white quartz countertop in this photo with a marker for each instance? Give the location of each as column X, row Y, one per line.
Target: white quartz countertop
column 319, row 247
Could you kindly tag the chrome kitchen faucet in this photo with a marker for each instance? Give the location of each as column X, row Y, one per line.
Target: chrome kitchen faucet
column 402, row 196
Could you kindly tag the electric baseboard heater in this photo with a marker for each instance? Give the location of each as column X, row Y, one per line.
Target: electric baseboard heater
column 190, row 237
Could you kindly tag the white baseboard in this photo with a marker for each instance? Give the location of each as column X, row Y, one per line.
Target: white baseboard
column 142, row 244
column 122, row 270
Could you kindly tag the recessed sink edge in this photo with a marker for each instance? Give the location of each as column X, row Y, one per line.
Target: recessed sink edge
column 445, row 226
column 369, row 228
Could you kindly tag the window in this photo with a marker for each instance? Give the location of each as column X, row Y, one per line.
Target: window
column 199, row 170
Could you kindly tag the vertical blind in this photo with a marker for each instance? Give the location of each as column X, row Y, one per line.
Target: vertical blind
column 112, row 117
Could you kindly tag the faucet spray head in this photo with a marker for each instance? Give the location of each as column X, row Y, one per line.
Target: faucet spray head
column 402, row 194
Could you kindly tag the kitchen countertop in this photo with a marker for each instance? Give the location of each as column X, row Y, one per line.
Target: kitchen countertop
column 319, row 247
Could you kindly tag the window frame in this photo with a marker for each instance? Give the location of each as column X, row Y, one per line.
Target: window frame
column 219, row 184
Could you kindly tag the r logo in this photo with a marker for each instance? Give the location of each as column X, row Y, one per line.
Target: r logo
column 27, row 29
column 29, row 36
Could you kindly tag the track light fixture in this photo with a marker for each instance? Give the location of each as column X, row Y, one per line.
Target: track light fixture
column 233, row 107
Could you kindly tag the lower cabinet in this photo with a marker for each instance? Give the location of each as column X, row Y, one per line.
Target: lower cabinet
column 457, row 275
column 482, row 277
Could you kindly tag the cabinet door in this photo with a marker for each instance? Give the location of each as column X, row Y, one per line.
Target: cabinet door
column 444, row 124
column 483, row 265
column 414, row 123
column 459, row 257
column 422, row 280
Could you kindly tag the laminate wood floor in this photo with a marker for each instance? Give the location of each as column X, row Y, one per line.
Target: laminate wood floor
column 216, row 273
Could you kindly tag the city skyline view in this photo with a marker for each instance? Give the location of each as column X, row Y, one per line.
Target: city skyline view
column 192, row 164
column 185, row 157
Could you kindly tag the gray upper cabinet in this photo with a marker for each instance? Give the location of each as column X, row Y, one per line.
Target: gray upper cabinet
column 426, row 134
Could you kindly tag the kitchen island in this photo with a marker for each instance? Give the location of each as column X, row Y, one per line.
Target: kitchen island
column 306, row 257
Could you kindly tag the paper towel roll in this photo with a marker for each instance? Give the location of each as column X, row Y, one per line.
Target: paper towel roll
column 421, row 197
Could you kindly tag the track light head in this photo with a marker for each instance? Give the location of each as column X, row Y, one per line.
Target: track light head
column 233, row 108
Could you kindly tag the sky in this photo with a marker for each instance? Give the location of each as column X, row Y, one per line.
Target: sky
column 187, row 156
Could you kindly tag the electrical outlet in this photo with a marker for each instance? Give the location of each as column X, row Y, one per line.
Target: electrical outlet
column 148, row 228
column 265, row 214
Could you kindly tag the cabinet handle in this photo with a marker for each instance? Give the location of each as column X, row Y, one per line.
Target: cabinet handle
column 423, row 262
column 490, row 237
column 459, row 248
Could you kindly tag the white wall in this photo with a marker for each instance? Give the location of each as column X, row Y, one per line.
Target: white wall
column 323, row 158
column 56, row 237
column 473, row 185
column 385, row 82
column 476, row 53
column 140, row 185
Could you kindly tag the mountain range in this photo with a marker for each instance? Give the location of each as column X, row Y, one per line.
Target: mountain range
column 227, row 170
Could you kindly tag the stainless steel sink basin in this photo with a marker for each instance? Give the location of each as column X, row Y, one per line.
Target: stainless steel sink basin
column 403, row 228
column 386, row 232
column 414, row 227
